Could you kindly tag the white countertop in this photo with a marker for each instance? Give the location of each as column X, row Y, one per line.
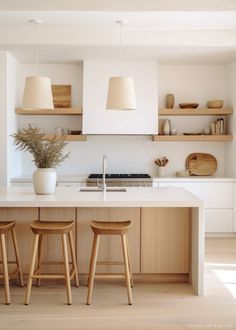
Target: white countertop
column 82, row 178
column 60, row 178
column 194, row 179
column 72, row 197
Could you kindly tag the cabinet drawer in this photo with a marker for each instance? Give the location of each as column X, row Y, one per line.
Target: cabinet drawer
column 172, row 184
column 215, row 195
column 219, row 221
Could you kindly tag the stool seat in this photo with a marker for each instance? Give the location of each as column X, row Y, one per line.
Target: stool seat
column 110, row 228
column 51, row 227
column 5, row 226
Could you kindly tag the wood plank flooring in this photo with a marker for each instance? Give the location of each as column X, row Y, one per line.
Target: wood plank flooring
column 156, row 306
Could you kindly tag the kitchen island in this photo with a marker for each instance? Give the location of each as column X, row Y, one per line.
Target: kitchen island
column 166, row 237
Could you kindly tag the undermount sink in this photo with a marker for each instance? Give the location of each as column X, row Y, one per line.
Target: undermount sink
column 93, row 189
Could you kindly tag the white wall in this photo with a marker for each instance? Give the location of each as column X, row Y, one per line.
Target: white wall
column 14, row 164
column 197, row 83
column 3, row 117
column 129, row 154
column 230, row 148
column 10, row 159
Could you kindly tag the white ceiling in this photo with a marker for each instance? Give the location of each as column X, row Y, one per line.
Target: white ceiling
column 118, row 5
column 167, row 36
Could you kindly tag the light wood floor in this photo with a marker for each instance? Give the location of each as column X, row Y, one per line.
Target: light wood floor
column 156, row 306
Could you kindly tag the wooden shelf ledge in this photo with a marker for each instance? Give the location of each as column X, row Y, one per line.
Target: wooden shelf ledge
column 57, row 111
column 192, row 137
column 69, row 137
column 196, row 112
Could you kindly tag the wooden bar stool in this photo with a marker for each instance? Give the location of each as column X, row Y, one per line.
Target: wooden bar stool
column 110, row 228
column 6, row 227
column 63, row 228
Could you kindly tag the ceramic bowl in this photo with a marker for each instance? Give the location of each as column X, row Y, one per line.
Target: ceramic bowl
column 215, row 104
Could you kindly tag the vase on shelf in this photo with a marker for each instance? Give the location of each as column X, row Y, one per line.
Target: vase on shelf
column 166, row 127
column 44, row 181
column 170, row 101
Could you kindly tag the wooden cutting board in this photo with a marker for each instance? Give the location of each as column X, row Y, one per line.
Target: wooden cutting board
column 201, row 164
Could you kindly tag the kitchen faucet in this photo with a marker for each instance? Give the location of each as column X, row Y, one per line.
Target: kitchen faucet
column 104, row 167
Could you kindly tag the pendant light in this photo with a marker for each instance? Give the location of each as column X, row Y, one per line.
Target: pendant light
column 38, row 90
column 121, row 93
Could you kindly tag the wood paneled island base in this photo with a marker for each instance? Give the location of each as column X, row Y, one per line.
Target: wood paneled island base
column 166, row 237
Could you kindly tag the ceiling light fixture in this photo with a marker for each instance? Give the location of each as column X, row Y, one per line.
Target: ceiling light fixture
column 38, row 90
column 121, row 93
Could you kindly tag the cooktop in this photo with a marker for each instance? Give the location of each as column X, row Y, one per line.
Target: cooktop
column 120, row 176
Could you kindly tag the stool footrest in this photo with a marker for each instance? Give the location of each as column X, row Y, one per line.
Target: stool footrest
column 111, row 276
column 9, row 262
column 110, row 263
column 53, row 263
column 52, row 276
column 49, row 275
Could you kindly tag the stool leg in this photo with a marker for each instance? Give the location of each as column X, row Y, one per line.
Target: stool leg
column 92, row 268
column 126, row 264
column 16, row 250
column 31, row 273
column 73, row 257
column 67, row 270
column 40, row 250
column 130, row 266
column 5, row 269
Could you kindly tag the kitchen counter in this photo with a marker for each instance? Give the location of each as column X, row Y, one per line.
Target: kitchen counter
column 168, row 221
column 72, row 197
column 194, row 179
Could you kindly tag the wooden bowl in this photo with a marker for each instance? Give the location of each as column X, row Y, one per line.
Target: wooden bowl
column 188, row 105
column 75, row 132
column 215, row 104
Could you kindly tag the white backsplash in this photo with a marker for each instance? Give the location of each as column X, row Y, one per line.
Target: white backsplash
column 129, row 154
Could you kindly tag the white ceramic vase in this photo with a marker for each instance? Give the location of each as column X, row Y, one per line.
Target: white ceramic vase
column 44, row 180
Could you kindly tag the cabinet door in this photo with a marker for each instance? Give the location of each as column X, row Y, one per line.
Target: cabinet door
column 219, row 221
column 115, row 248
column 215, row 195
column 23, row 217
column 165, row 240
column 85, row 238
column 97, row 120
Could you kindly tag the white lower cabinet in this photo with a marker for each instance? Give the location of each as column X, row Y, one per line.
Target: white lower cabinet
column 218, row 197
column 215, row 195
column 219, row 221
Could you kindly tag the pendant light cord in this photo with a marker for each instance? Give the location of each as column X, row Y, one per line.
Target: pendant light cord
column 36, row 48
column 121, row 42
column 36, row 23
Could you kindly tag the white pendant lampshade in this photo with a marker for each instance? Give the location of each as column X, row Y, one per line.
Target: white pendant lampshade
column 121, row 94
column 38, row 90
column 37, row 93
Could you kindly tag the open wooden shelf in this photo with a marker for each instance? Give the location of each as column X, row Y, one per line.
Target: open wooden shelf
column 196, row 112
column 192, row 138
column 57, row 111
column 69, row 137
